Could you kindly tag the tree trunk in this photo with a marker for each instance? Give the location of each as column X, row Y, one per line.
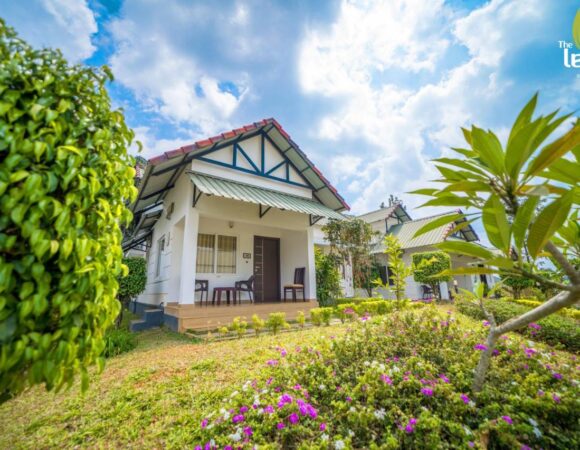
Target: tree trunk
column 561, row 300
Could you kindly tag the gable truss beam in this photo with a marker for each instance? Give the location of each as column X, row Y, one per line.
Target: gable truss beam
column 313, row 219
column 196, row 196
column 160, row 191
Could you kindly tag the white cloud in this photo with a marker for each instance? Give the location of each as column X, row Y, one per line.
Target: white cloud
column 153, row 146
column 64, row 24
column 151, row 61
column 402, row 127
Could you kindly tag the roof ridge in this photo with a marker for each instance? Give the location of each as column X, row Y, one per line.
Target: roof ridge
column 457, row 211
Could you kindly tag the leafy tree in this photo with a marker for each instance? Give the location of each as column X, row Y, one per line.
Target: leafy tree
column 516, row 283
column 504, row 184
column 432, row 269
column 351, row 242
column 65, row 180
column 327, row 278
column 398, row 270
column 132, row 283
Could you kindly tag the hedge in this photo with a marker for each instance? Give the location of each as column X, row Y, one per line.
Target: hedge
column 357, row 300
column 374, row 306
column 556, row 330
column 532, row 303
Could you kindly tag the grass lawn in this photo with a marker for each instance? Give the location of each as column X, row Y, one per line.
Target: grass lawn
column 148, row 398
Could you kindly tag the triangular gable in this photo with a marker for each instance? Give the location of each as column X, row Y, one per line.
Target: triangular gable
column 257, row 155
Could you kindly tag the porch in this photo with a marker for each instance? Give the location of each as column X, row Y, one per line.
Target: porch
column 181, row 317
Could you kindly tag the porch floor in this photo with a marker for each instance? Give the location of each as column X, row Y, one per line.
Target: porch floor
column 197, row 317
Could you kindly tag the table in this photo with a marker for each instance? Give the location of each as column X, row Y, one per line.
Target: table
column 227, row 290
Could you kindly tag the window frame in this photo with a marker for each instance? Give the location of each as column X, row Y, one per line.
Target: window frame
column 215, row 254
column 159, row 256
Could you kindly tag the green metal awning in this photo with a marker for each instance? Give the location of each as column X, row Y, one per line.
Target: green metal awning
column 221, row 187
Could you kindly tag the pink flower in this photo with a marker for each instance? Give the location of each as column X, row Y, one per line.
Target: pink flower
column 444, row 378
column 507, row 420
column 557, row 376
column 556, row 398
column 248, row 431
column 283, row 352
column 427, row 391
column 228, row 447
column 272, row 362
column 535, row 326
column 480, row 347
column 280, row 426
column 486, row 323
column 410, row 427
column 204, row 423
column 322, row 427
column 238, row 418
column 269, row 409
column 294, row 418
column 386, row 379
column 243, row 409
column 465, row 398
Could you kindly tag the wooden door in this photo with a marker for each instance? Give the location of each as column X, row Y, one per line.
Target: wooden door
column 267, row 268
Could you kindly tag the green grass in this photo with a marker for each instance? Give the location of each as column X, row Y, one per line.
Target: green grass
column 150, row 397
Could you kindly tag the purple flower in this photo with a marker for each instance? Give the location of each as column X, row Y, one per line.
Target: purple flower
column 507, row 420
column 293, row 418
column 348, row 399
column 243, row 409
column 556, row 398
column 465, row 399
column 541, row 393
column 557, row 376
column 495, row 352
column 525, row 447
column 198, row 447
column 284, row 399
column 272, row 362
column 480, row 347
column 228, row 447
column 410, row 427
column 322, row 427
column 204, row 423
column 471, row 444
column 486, row 323
column 529, row 352
column 238, row 418
column 386, row 379
column 269, row 409
column 444, row 378
column 248, row 431
column 280, row 425
column 427, row 391
column 535, row 326
column 283, row 352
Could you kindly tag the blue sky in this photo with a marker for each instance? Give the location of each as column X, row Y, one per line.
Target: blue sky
column 370, row 90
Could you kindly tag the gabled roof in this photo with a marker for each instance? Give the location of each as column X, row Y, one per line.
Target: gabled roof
column 162, row 171
column 405, row 232
column 395, row 210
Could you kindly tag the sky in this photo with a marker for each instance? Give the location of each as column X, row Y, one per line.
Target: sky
column 370, row 90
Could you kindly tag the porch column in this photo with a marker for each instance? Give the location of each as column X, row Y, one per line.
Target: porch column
column 189, row 257
column 310, row 265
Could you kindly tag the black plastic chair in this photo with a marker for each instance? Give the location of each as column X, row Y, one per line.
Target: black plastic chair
column 298, row 284
column 427, row 291
column 202, row 286
column 245, row 286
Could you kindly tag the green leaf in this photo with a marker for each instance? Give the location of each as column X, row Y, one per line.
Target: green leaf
column 466, row 248
column 496, row 224
column 460, row 163
column 438, row 222
column 522, row 221
column 564, row 171
column 521, row 147
column 549, row 220
column 576, row 29
column 468, row 187
column 469, row 270
column 448, row 200
column 524, row 117
column 466, row 135
column 425, row 191
column 487, row 145
column 555, row 151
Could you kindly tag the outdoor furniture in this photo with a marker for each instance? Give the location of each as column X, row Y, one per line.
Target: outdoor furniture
column 427, row 291
column 298, row 284
column 245, row 286
column 218, row 292
column 202, row 286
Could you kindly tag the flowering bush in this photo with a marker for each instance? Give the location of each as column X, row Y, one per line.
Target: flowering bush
column 532, row 303
column 277, row 321
column 320, row 316
column 375, row 387
column 556, row 329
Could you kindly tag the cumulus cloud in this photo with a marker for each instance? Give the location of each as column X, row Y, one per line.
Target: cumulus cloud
column 402, row 126
column 64, row 24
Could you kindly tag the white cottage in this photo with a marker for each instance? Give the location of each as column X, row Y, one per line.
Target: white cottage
column 236, row 207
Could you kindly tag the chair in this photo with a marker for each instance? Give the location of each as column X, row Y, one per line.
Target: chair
column 245, row 286
column 202, row 286
column 427, row 291
column 298, row 284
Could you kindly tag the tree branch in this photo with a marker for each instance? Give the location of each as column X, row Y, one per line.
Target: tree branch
column 572, row 273
column 545, row 281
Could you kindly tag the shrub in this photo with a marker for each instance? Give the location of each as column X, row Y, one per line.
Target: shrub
column 557, row 330
column 65, row 181
column 258, row 324
column 239, row 326
column 132, row 283
column 316, row 316
column 327, row 278
column 117, row 341
column 402, row 381
column 223, row 331
column 301, row 319
column 429, row 264
column 568, row 312
column 356, row 300
column 276, row 321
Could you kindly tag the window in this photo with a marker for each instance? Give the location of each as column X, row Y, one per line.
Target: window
column 216, row 253
column 159, row 256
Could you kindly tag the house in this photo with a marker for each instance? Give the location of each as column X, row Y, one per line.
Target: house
column 240, row 204
column 394, row 219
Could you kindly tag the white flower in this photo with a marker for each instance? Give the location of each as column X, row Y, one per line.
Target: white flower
column 395, row 369
column 324, row 437
column 350, row 433
column 380, row 414
column 352, row 409
column 366, row 363
column 339, row 445
column 234, row 394
column 471, row 404
column 533, row 422
column 226, row 415
column 382, row 367
column 467, row 430
column 322, row 387
column 537, row 432
column 237, row 436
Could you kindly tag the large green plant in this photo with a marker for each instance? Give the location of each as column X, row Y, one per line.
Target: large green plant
column 527, row 195
column 398, row 270
column 351, row 242
column 131, row 283
column 516, row 283
column 432, row 269
column 65, row 179
column 327, row 278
